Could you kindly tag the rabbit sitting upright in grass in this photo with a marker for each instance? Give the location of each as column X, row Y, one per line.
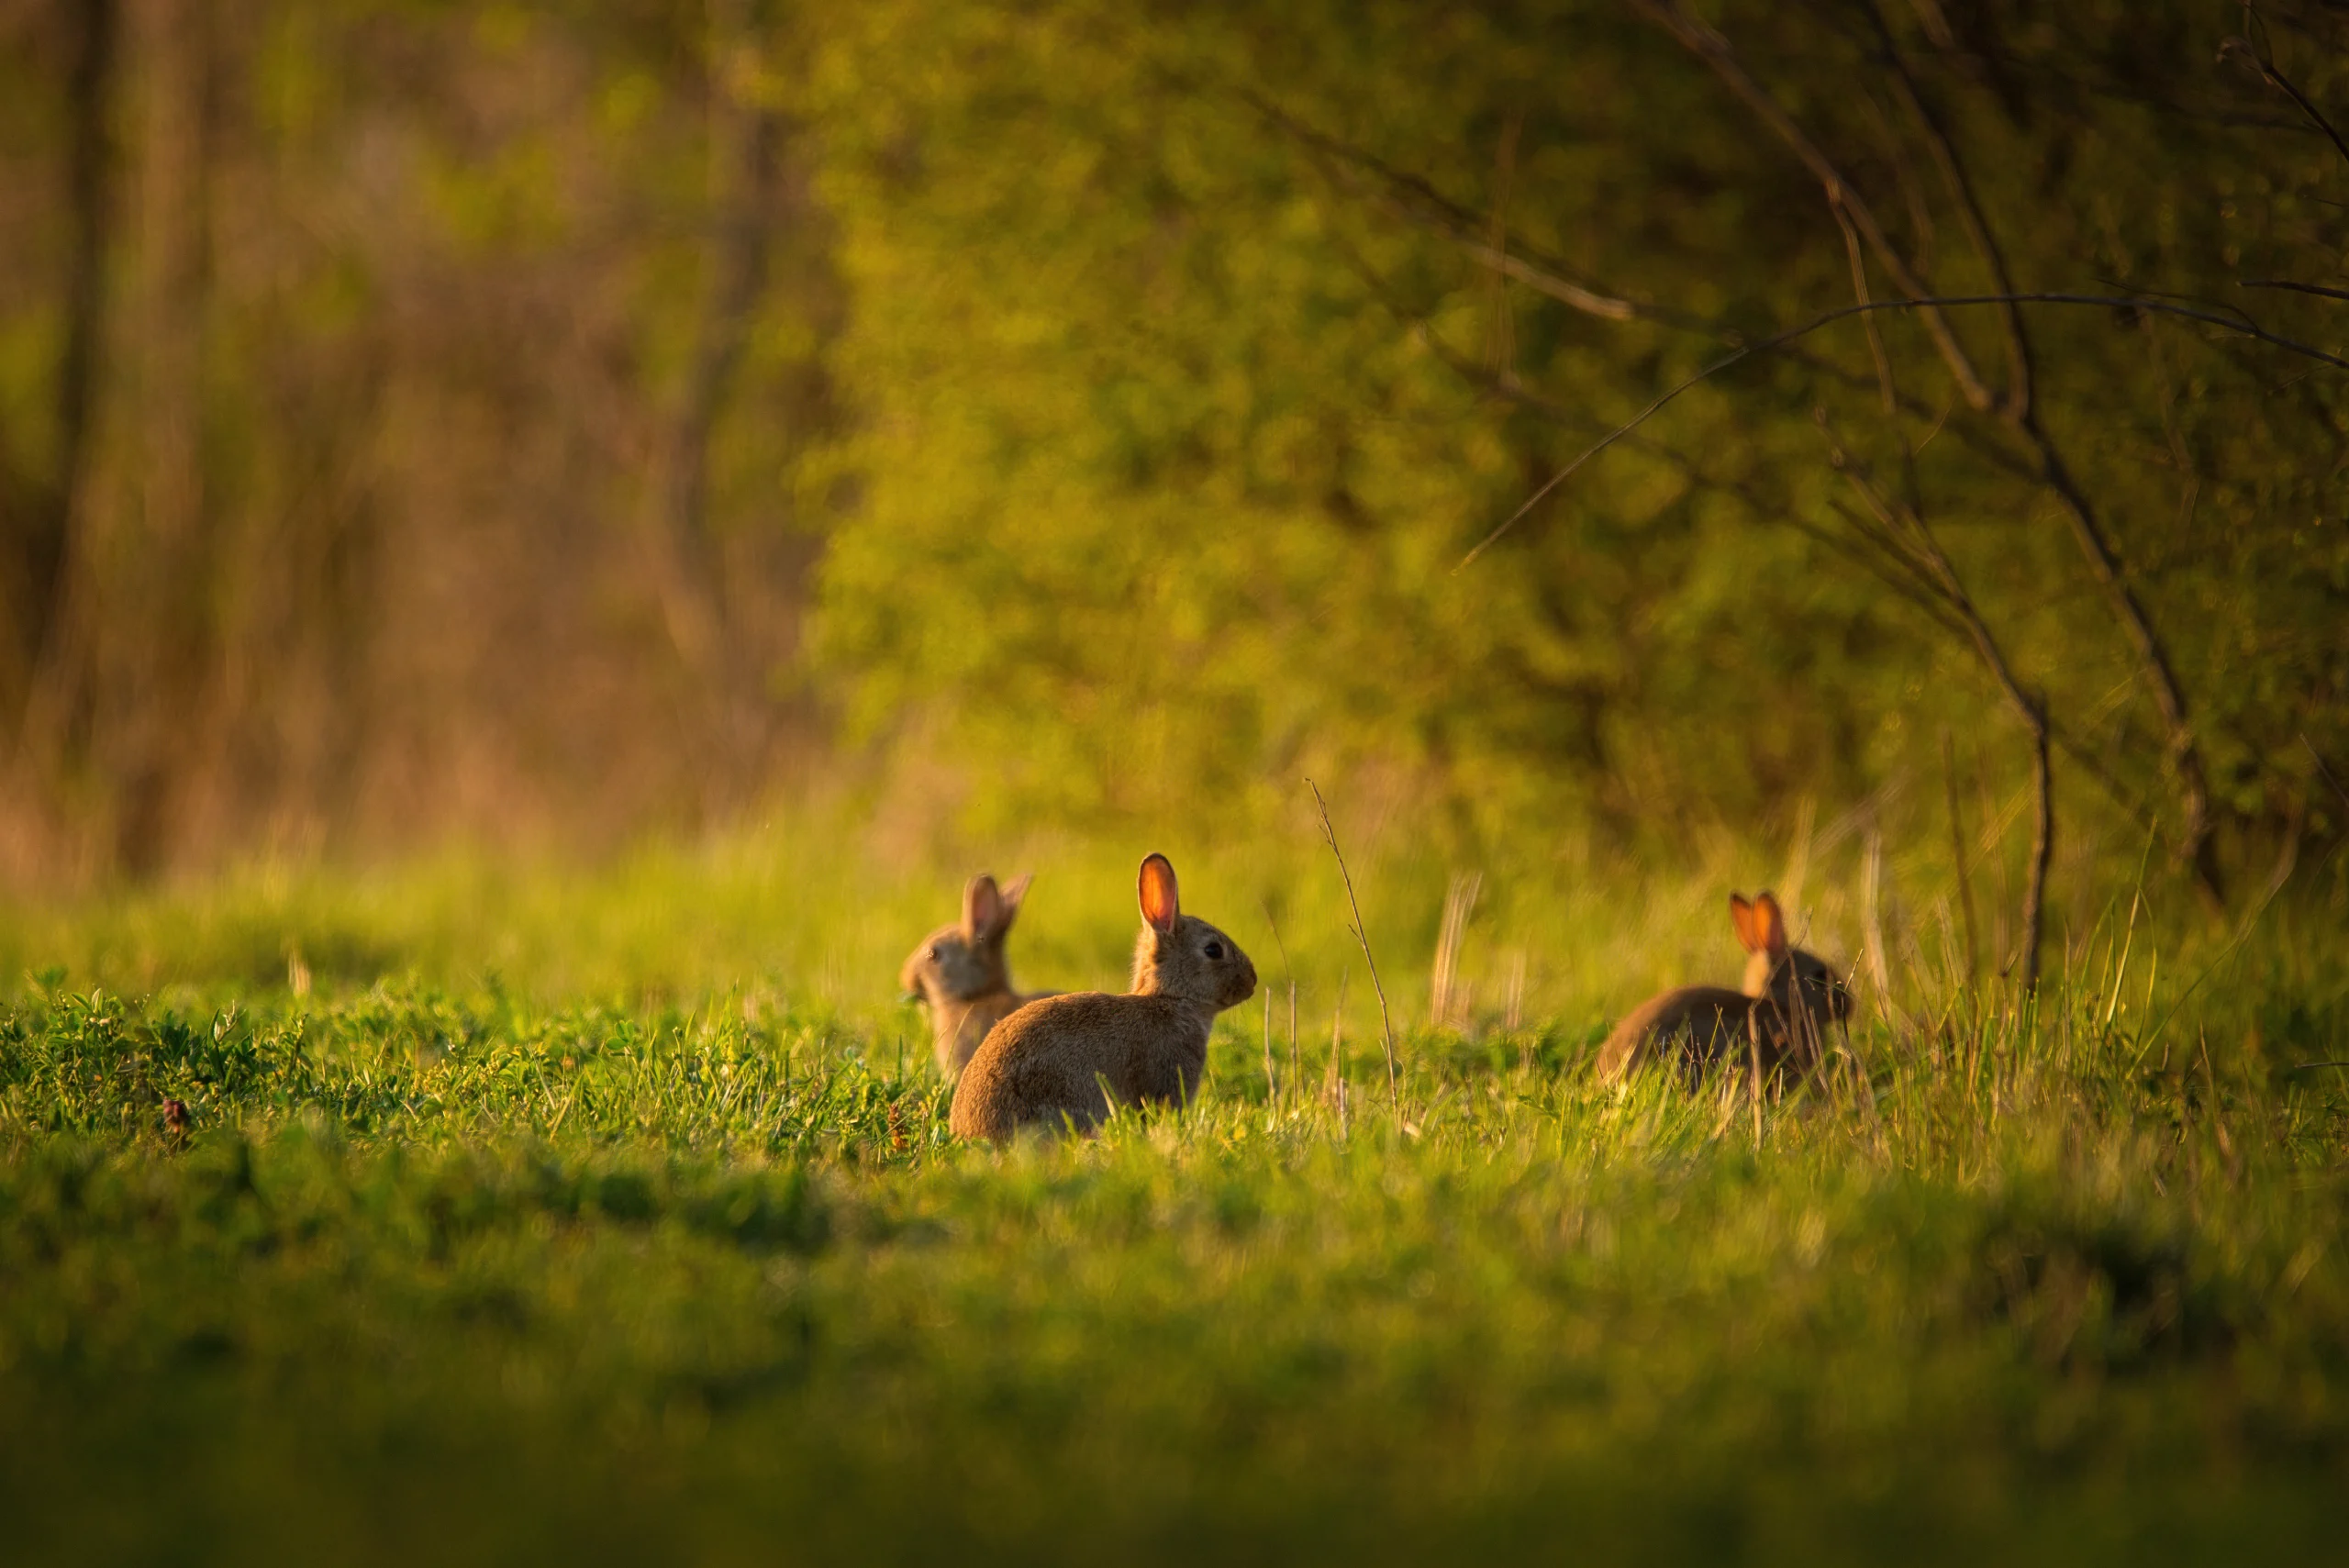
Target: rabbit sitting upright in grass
column 1777, row 1022
column 961, row 975
column 1076, row 1057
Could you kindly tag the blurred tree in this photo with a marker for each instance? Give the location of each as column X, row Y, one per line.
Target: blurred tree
column 39, row 504
column 148, row 621
column 421, row 419
column 371, row 367
column 747, row 196
column 1199, row 346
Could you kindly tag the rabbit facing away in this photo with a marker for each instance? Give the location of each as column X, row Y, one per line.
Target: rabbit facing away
column 1777, row 1022
column 961, row 975
column 1077, row 1057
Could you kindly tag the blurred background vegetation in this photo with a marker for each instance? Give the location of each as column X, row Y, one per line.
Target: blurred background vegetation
column 536, row 424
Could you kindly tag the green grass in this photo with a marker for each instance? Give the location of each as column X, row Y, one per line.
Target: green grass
column 614, row 1217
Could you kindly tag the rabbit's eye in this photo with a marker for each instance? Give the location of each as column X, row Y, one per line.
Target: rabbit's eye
column 1215, row 950
column 937, row 949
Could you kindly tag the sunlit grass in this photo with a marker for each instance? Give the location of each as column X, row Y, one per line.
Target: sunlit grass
column 579, row 1219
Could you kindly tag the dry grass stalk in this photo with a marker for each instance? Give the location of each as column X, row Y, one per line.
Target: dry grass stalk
column 1958, row 855
column 1872, row 917
column 1336, row 1086
column 1798, row 853
column 1447, row 998
column 1292, row 1036
column 1272, row 1084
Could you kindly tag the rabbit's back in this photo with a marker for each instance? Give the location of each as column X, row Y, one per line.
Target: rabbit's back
column 1703, row 1025
column 1072, row 1057
column 979, row 1016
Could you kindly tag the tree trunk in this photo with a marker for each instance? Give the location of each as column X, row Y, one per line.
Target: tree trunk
column 741, row 165
column 691, row 575
column 51, row 519
column 153, row 680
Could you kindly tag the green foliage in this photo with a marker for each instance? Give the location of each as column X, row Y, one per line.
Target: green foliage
column 1175, row 420
column 1112, row 397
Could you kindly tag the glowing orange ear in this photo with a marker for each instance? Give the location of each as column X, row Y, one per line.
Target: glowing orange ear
column 982, row 906
column 1013, row 892
column 1741, row 915
column 1161, row 906
column 1772, row 925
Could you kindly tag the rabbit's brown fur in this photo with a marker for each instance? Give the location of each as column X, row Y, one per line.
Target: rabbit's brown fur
column 1075, row 1058
column 1777, row 1022
column 962, row 976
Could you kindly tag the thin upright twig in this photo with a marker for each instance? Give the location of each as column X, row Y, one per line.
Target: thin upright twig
column 1958, row 855
column 1753, row 1063
column 1860, row 292
column 1385, row 1021
column 2315, row 757
column 1288, row 973
column 1272, row 1084
column 1331, row 1081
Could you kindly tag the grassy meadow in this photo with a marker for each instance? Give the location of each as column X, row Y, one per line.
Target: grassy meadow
column 612, row 1214
column 540, row 544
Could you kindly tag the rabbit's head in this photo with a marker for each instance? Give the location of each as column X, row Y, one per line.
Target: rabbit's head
column 958, row 963
column 1182, row 956
column 1790, row 977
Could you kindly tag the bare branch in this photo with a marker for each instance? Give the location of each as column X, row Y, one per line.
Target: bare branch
column 2314, row 756
column 1543, row 282
column 2152, row 656
column 1430, row 211
column 2296, row 288
column 1898, row 518
column 1969, row 210
column 2265, row 63
column 1420, row 202
column 1883, row 557
column 1897, row 574
column 2088, row 529
column 1829, row 318
column 1714, row 50
column 1860, row 293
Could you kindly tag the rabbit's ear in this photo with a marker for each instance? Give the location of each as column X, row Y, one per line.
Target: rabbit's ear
column 1159, row 904
column 1772, row 926
column 1741, row 915
column 982, row 906
column 1013, row 892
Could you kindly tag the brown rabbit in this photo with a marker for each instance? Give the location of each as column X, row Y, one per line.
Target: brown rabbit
column 1778, row 1021
column 1076, row 1057
column 961, row 973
